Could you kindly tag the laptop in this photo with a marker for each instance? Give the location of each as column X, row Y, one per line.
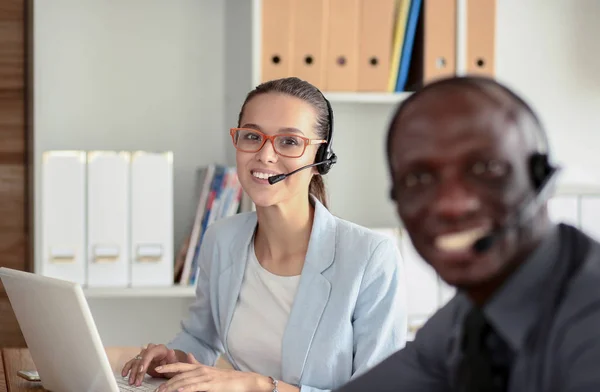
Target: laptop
column 61, row 335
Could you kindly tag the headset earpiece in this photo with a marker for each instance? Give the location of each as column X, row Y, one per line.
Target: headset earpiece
column 320, row 157
column 325, row 151
column 540, row 169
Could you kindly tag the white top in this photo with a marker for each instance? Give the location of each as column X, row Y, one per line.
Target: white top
column 260, row 318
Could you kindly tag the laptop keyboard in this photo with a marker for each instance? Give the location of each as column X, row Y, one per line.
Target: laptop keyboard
column 123, row 384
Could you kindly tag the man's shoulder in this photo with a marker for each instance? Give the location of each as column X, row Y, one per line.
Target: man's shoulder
column 577, row 335
column 582, row 294
column 587, row 276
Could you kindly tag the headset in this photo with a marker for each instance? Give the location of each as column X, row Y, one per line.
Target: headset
column 325, row 158
column 325, row 154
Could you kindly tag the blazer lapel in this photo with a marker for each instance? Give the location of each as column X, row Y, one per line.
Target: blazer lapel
column 230, row 280
column 311, row 297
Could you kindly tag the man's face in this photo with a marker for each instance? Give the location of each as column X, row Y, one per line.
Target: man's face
column 459, row 170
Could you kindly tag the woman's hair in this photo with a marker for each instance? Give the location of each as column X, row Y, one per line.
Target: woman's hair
column 305, row 91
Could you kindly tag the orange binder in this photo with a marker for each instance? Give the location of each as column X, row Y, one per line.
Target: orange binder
column 376, row 30
column 341, row 69
column 439, row 39
column 481, row 35
column 276, row 38
column 309, row 30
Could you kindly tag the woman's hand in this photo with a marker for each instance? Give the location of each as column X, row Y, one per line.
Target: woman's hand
column 147, row 360
column 194, row 377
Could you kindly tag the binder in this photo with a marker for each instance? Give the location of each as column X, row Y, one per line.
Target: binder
column 341, row 69
column 481, row 35
column 151, row 206
column 403, row 8
column 439, row 39
column 408, row 44
column 108, row 218
column 376, row 26
column 276, row 53
column 309, row 19
column 63, row 215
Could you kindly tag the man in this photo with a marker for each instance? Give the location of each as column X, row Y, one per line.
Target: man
column 470, row 182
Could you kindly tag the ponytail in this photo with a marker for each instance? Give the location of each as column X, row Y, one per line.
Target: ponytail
column 317, row 189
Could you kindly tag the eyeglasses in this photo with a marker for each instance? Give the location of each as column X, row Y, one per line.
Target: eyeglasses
column 289, row 145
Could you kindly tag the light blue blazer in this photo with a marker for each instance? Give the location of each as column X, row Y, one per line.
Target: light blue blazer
column 348, row 315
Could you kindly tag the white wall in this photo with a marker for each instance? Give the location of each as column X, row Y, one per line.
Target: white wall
column 156, row 74
column 548, row 50
column 132, row 75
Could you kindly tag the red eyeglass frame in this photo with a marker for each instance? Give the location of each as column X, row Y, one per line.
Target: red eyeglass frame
column 307, row 141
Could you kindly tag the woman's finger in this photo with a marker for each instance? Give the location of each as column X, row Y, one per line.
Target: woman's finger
column 127, row 367
column 176, row 367
column 137, row 372
column 171, row 356
column 147, row 357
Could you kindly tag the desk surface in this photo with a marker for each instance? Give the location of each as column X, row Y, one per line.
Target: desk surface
column 16, row 359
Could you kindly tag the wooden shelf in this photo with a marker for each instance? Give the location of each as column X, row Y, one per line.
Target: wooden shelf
column 141, row 292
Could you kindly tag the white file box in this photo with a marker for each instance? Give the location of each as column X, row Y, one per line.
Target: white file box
column 108, row 219
column 63, row 215
column 151, row 207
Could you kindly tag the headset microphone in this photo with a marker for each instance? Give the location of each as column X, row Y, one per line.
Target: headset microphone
column 280, row 177
column 523, row 214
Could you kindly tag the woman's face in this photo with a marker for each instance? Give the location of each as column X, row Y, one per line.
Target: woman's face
column 276, row 114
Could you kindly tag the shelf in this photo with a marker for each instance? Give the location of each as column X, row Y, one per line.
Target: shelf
column 352, row 97
column 251, row 38
column 577, row 190
column 140, row 292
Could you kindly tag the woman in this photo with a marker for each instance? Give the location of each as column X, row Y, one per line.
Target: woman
column 295, row 298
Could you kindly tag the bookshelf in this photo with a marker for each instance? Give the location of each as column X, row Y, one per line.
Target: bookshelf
column 251, row 12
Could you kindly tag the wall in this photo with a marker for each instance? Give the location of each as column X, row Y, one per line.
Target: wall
column 548, row 51
column 151, row 74
column 132, row 75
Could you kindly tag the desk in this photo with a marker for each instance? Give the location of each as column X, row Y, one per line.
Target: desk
column 15, row 359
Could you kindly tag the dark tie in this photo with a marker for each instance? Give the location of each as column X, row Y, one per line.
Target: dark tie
column 486, row 357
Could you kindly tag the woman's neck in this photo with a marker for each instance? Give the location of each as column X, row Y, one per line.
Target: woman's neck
column 282, row 236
